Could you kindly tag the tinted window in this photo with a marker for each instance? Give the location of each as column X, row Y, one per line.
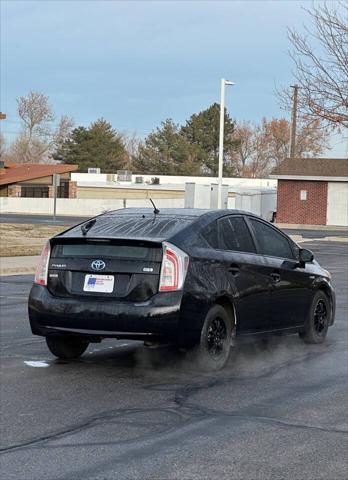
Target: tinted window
column 270, row 241
column 96, row 250
column 143, row 226
column 209, row 233
column 234, row 235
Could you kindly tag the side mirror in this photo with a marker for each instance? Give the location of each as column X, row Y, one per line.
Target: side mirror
column 305, row 256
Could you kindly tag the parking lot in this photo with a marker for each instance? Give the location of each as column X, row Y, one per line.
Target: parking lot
column 277, row 411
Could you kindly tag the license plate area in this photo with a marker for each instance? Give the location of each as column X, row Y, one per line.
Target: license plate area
column 99, row 283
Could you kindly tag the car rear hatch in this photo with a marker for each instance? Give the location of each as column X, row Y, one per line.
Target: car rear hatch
column 123, row 270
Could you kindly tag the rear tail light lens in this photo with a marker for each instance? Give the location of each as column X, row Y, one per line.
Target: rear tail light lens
column 42, row 266
column 175, row 263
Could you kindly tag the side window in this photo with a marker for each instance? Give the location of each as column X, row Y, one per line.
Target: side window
column 234, row 235
column 270, row 241
column 210, row 235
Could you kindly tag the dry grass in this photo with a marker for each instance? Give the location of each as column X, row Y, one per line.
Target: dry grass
column 23, row 239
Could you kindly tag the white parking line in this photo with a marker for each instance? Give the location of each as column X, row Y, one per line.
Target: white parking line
column 36, row 364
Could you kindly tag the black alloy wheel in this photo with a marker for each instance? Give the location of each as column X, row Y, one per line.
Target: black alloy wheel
column 215, row 340
column 318, row 321
column 217, row 333
column 320, row 317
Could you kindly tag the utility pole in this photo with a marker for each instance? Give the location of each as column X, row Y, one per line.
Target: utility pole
column 293, row 121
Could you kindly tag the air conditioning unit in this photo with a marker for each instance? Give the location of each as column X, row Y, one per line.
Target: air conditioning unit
column 138, row 179
column 155, row 181
column 124, row 176
column 94, row 170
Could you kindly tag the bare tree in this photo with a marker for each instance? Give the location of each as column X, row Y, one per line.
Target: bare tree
column 18, row 151
column 132, row 144
column 321, row 65
column 244, row 133
column 62, row 132
column 39, row 136
column 269, row 144
column 312, row 138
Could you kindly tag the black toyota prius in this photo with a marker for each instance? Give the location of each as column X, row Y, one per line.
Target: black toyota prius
column 189, row 277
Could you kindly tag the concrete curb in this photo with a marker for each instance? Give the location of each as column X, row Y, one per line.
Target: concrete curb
column 22, row 265
column 301, row 239
column 327, row 228
column 7, row 272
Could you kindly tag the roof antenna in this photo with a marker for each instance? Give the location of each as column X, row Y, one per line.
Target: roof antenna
column 155, row 209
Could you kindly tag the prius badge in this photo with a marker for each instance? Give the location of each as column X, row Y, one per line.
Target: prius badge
column 98, row 265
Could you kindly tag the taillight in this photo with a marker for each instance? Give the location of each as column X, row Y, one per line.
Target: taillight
column 174, row 268
column 42, row 266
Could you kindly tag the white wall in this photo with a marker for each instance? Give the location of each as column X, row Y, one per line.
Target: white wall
column 258, row 202
column 170, row 179
column 77, row 206
column 337, row 203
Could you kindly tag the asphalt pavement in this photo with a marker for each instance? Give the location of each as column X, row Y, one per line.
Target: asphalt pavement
column 277, row 411
column 40, row 219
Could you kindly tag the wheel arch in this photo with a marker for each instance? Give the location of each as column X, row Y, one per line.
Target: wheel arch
column 229, row 306
column 323, row 287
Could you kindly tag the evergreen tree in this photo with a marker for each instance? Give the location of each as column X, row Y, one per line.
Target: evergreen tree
column 202, row 130
column 167, row 152
column 99, row 145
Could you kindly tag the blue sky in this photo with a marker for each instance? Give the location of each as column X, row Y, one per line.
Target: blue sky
column 137, row 63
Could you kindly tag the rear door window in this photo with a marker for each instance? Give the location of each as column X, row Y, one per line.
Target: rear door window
column 234, row 235
column 270, row 241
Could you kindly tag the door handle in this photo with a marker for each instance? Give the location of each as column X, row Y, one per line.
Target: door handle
column 234, row 269
column 275, row 277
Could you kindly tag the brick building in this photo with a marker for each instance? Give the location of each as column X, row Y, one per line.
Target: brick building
column 312, row 191
column 36, row 180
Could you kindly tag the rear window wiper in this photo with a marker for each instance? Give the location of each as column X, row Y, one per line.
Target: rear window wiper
column 87, row 226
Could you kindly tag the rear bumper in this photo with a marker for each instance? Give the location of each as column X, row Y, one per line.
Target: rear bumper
column 158, row 317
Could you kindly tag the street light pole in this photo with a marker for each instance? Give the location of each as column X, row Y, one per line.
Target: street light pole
column 221, row 136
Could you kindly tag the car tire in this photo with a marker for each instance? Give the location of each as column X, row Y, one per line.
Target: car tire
column 215, row 339
column 66, row 347
column 318, row 321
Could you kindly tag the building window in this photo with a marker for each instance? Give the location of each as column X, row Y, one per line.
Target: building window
column 303, row 195
column 36, row 191
column 63, row 190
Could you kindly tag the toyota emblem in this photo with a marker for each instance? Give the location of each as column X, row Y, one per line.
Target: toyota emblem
column 98, row 265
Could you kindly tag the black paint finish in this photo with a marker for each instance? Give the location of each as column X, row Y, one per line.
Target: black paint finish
column 264, row 293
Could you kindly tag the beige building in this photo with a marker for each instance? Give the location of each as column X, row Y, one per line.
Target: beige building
column 35, row 180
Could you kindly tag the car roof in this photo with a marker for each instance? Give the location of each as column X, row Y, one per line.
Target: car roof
column 144, row 224
column 178, row 212
column 173, row 212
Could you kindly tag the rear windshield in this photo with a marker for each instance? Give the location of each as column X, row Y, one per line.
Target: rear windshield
column 152, row 227
column 103, row 250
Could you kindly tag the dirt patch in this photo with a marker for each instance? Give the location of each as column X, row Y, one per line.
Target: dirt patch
column 18, row 239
